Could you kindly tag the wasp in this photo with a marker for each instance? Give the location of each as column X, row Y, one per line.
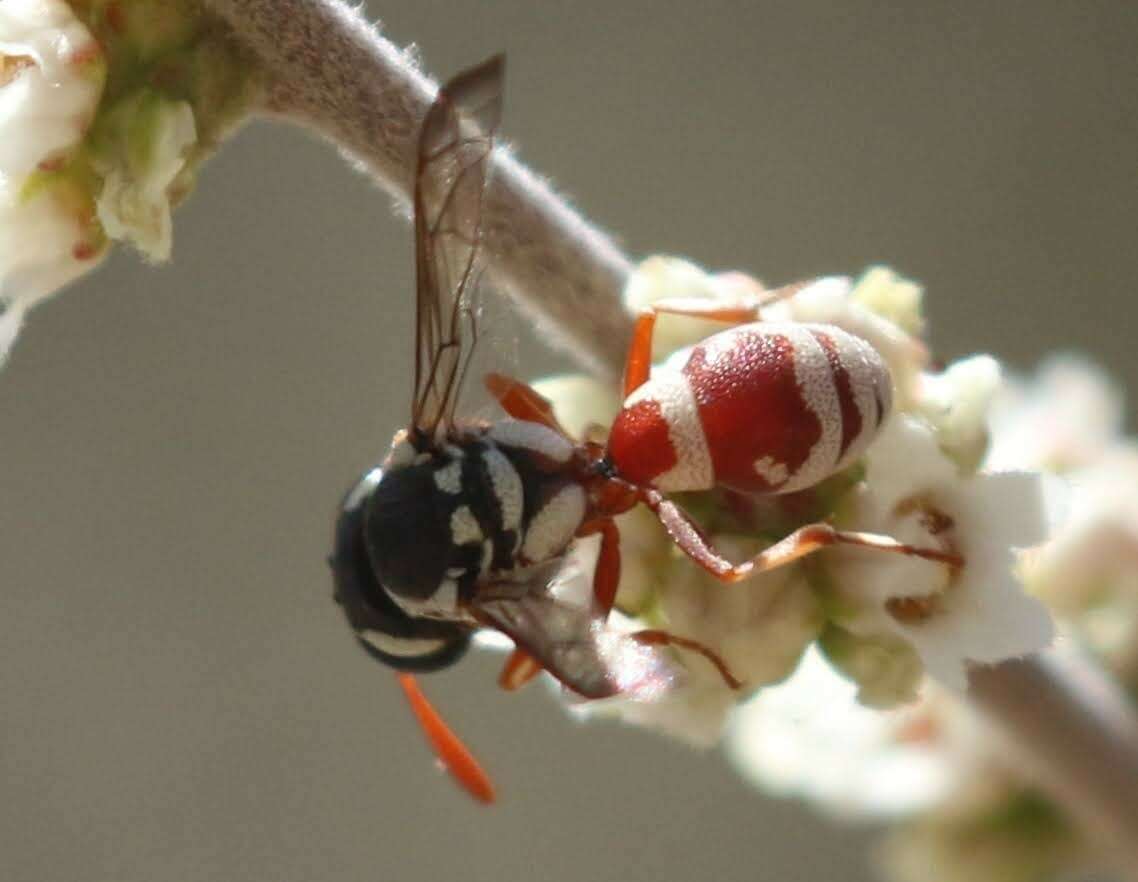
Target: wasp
column 468, row 524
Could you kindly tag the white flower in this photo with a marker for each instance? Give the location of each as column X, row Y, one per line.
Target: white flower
column 82, row 165
column 811, row 737
column 956, row 402
column 51, row 77
column 977, row 614
column 1065, row 417
column 893, row 297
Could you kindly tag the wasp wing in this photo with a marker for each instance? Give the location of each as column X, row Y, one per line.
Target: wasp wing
column 573, row 642
column 454, row 154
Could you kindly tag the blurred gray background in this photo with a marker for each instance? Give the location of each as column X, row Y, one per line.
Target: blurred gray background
column 181, row 699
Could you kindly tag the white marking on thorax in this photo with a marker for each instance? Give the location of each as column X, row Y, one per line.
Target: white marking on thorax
column 507, row 484
column 449, row 478
column 464, row 527
column 401, row 647
column 672, row 392
column 531, row 436
column 820, row 394
column 554, row 524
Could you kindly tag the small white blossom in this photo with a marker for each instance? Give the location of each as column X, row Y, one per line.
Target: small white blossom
column 893, row 297
column 812, row 738
column 977, row 614
column 1066, row 416
column 51, row 77
column 86, row 160
column 956, row 402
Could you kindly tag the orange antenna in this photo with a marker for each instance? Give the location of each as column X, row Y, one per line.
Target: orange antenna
column 452, row 753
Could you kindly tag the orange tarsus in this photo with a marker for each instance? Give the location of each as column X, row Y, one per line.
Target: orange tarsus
column 519, row 669
column 452, row 753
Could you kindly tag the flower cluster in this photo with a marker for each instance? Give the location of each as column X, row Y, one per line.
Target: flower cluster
column 931, row 766
column 106, row 108
column 884, row 620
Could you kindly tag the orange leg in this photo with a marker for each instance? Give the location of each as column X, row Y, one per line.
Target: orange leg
column 746, row 309
column 663, row 638
column 522, row 402
column 803, row 541
column 452, row 753
column 520, row 668
column 606, row 576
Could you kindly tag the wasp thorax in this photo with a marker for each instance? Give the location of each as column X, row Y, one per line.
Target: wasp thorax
column 385, row 630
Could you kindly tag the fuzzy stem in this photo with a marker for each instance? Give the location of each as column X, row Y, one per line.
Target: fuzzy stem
column 332, row 72
column 1074, row 734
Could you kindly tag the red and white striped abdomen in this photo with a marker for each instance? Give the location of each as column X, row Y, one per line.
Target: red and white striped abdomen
column 765, row 407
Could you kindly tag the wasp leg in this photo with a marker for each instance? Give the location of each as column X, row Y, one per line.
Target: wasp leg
column 522, row 402
column 606, row 575
column 663, row 638
column 452, row 753
column 747, row 308
column 520, row 667
column 803, row 541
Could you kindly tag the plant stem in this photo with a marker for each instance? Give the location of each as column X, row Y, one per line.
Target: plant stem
column 330, row 71
column 1074, row 734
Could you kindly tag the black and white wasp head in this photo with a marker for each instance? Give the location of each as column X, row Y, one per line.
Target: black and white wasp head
column 383, row 628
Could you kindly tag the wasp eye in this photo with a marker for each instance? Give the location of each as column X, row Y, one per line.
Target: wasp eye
column 384, row 630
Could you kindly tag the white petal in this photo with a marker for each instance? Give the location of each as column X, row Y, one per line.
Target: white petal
column 904, row 460
column 45, row 109
column 956, row 402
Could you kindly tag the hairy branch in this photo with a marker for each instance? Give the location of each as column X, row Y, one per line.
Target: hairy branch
column 331, row 71
column 1075, row 735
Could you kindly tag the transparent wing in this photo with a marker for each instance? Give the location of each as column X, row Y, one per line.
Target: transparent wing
column 455, row 144
column 572, row 642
